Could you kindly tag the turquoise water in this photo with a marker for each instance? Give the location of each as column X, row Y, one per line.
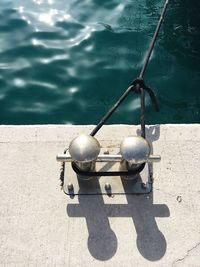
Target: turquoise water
column 69, row 61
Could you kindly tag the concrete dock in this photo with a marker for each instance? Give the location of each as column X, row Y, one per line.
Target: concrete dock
column 41, row 226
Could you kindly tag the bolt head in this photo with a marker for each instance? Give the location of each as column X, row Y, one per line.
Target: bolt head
column 135, row 149
column 107, row 186
column 70, row 186
column 84, row 148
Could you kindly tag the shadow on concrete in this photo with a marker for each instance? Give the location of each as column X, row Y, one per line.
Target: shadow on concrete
column 152, row 132
column 102, row 241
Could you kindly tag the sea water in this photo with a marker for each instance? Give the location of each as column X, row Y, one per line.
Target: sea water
column 69, row 61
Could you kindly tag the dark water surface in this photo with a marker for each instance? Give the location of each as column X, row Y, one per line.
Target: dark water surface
column 69, row 61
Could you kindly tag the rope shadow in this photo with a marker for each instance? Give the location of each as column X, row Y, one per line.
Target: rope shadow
column 152, row 132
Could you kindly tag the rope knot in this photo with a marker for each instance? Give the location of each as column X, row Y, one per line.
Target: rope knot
column 138, row 85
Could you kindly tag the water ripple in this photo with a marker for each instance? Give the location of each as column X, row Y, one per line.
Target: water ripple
column 69, row 61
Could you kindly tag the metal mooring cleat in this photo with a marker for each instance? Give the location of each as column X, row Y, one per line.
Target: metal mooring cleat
column 125, row 172
column 122, row 170
column 84, row 152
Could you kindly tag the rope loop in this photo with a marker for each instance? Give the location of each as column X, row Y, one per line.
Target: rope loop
column 139, row 84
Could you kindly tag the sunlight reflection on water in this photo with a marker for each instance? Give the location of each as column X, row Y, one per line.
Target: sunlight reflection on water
column 69, row 61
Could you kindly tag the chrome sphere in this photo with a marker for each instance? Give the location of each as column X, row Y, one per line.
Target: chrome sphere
column 135, row 149
column 84, row 148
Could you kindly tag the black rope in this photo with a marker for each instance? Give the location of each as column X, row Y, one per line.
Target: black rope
column 107, row 173
column 138, row 85
column 110, row 112
column 62, row 171
column 149, row 52
column 142, row 101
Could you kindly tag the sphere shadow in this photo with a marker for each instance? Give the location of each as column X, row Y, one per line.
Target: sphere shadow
column 102, row 241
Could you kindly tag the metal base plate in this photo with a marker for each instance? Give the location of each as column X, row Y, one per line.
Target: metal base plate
column 138, row 184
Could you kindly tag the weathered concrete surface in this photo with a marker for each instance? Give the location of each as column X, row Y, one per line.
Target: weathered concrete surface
column 41, row 226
